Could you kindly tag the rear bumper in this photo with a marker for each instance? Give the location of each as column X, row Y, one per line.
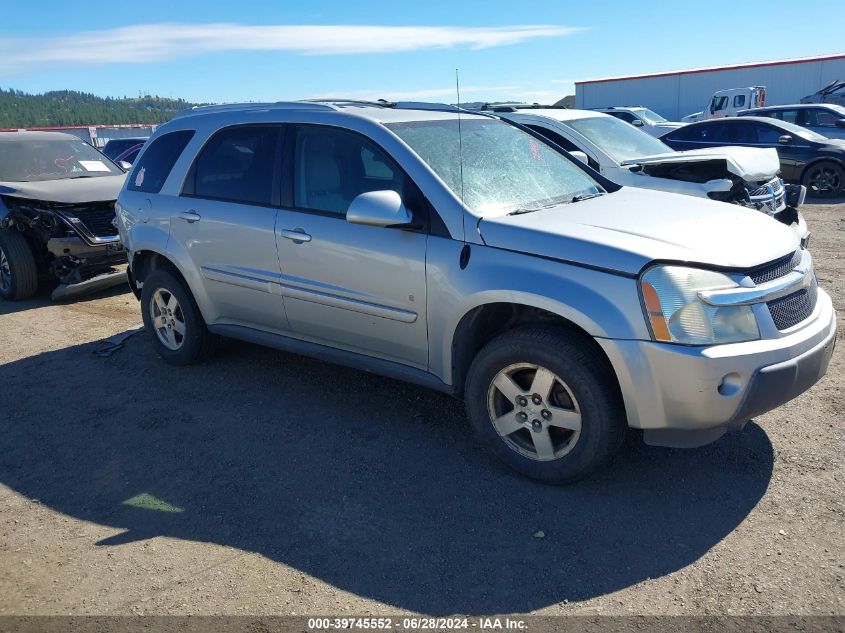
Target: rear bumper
column 687, row 396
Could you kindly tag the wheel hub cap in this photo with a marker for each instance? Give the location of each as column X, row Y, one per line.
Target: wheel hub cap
column 168, row 319
column 534, row 411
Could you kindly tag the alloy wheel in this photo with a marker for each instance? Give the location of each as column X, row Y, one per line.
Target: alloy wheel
column 168, row 319
column 5, row 273
column 824, row 180
column 534, row 411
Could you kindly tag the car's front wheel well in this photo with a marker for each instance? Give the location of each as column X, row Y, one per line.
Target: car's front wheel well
column 484, row 323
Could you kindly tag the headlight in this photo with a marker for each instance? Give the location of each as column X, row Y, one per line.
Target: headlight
column 677, row 315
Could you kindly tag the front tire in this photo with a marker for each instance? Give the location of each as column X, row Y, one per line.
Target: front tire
column 824, row 179
column 173, row 319
column 546, row 403
column 18, row 270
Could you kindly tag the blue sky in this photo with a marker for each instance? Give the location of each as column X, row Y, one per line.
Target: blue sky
column 262, row 50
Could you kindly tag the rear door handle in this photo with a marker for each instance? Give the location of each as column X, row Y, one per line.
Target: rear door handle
column 297, row 235
column 190, row 216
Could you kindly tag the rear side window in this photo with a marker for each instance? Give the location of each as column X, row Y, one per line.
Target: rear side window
column 158, row 159
column 739, row 101
column 625, row 116
column 239, row 164
column 790, row 116
column 686, row 133
column 721, row 131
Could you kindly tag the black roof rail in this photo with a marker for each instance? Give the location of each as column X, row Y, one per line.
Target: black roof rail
column 513, row 107
column 378, row 103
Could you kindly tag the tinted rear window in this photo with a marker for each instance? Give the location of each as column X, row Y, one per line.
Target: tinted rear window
column 239, row 164
column 158, row 159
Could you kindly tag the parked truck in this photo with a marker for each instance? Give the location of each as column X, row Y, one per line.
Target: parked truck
column 728, row 102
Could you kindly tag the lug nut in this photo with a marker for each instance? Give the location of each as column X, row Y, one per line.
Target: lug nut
column 522, row 401
column 536, row 426
column 547, row 415
column 536, row 399
column 521, row 416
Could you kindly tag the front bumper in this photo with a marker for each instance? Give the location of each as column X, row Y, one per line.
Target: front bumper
column 689, row 396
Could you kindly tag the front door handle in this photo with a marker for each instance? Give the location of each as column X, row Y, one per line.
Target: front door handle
column 297, row 235
column 190, row 216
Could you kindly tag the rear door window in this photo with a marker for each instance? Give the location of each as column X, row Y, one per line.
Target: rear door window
column 240, row 164
column 717, row 132
column 158, row 159
column 739, row 101
column 790, row 116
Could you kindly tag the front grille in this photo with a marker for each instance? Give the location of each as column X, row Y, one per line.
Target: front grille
column 776, row 269
column 771, row 196
column 96, row 216
column 792, row 309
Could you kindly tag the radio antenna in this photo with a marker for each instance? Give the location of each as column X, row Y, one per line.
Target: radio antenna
column 460, row 134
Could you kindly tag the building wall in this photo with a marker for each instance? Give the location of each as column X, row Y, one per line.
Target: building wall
column 675, row 96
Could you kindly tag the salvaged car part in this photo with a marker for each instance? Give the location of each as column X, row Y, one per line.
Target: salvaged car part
column 57, row 215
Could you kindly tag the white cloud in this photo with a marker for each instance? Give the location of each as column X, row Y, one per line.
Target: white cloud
column 158, row 42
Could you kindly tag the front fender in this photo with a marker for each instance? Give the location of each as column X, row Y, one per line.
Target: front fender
column 603, row 304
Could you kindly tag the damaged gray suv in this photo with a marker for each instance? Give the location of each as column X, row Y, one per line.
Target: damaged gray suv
column 461, row 252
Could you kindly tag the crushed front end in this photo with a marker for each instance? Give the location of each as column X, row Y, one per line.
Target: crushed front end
column 75, row 243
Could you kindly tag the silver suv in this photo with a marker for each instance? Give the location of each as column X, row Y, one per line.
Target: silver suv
column 463, row 253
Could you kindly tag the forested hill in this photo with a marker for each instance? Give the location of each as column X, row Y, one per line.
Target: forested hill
column 68, row 107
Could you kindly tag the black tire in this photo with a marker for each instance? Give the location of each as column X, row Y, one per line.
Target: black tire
column 589, row 387
column 196, row 343
column 21, row 279
column 824, row 179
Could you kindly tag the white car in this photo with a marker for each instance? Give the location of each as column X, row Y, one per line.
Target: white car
column 643, row 118
column 741, row 175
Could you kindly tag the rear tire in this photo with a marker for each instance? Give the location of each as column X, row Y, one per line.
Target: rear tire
column 174, row 320
column 824, row 179
column 18, row 270
column 546, row 403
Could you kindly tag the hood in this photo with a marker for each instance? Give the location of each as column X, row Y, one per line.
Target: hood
column 749, row 163
column 68, row 190
column 626, row 230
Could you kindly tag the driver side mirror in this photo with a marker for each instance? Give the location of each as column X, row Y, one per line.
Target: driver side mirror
column 124, row 165
column 637, row 123
column 582, row 156
column 785, row 139
column 379, row 208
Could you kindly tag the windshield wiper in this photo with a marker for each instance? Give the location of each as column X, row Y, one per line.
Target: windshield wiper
column 586, row 196
column 549, row 205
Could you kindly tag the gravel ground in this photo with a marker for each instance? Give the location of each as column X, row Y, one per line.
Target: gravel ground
column 265, row 483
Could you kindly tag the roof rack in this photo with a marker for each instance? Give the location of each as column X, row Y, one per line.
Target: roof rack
column 513, row 107
column 227, row 107
column 340, row 101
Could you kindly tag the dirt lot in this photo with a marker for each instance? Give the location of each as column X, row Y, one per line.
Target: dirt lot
column 266, row 483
